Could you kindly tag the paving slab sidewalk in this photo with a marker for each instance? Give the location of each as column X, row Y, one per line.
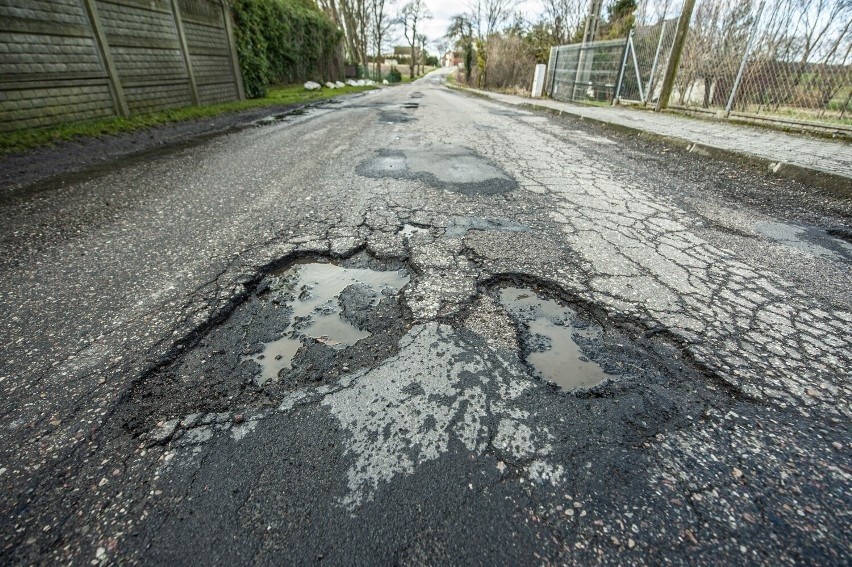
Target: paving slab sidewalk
column 822, row 162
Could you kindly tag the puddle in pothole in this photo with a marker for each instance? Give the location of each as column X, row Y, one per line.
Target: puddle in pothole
column 840, row 234
column 558, row 339
column 313, row 290
column 409, row 230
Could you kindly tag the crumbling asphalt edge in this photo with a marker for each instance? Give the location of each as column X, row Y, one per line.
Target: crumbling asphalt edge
column 838, row 185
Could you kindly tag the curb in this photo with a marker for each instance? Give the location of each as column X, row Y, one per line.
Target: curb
column 838, row 185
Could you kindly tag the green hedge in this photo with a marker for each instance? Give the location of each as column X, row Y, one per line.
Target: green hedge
column 284, row 41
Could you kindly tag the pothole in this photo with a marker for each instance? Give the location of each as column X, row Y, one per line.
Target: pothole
column 280, row 116
column 324, row 299
column 442, row 166
column 841, row 234
column 304, row 324
column 409, row 230
column 411, row 105
column 560, row 345
column 807, row 240
column 394, row 117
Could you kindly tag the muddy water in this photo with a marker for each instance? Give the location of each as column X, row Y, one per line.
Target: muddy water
column 555, row 335
column 312, row 290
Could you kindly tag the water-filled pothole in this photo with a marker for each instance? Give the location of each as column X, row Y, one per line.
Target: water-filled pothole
column 324, row 299
column 409, row 230
column 345, row 316
column 841, row 233
column 560, row 344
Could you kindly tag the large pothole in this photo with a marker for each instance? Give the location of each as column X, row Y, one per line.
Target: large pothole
column 576, row 346
column 330, row 304
column 442, row 166
column 306, row 323
column 560, row 345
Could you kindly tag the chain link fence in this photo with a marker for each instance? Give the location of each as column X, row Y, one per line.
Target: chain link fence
column 645, row 61
column 782, row 60
column 785, row 60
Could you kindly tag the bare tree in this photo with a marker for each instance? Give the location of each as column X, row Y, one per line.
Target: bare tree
column 487, row 17
column 353, row 18
column 421, row 39
column 718, row 35
column 380, row 25
column 411, row 16
column 461, row 33
column 563, row 17
column 650, row 12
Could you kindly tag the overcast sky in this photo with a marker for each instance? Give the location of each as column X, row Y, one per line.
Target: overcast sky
column 443, row 10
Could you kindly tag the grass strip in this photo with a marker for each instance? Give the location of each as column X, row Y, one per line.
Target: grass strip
column 26, row 139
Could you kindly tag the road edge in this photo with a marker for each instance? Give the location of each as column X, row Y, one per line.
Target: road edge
column 837, row 185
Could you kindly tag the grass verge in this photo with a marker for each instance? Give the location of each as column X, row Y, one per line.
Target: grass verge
column 31, row 138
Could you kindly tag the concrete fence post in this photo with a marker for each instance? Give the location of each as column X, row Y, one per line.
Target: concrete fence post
column 184, row 50
column 538, row 80
column 674, row 56
column 232, row 46
column 115, row 88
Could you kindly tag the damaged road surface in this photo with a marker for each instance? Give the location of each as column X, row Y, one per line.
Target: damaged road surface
column 416, row 327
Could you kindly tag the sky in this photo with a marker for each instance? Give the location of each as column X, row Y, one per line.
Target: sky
column 443, row 10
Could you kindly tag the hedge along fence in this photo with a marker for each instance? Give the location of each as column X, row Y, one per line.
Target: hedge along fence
column 284, row 41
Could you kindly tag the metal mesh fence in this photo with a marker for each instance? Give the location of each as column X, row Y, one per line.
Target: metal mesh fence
column 585, row 72
column 787, row 60
column 645, row 64
column 781, row 59
column 629, row 69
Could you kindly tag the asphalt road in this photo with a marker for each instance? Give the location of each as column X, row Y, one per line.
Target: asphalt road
column 401, row 418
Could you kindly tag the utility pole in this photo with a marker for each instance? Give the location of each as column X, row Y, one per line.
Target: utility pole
column 593, row 19
column 674, row 55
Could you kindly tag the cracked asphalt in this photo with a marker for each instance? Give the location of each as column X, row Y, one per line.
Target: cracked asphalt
column 136, row 297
